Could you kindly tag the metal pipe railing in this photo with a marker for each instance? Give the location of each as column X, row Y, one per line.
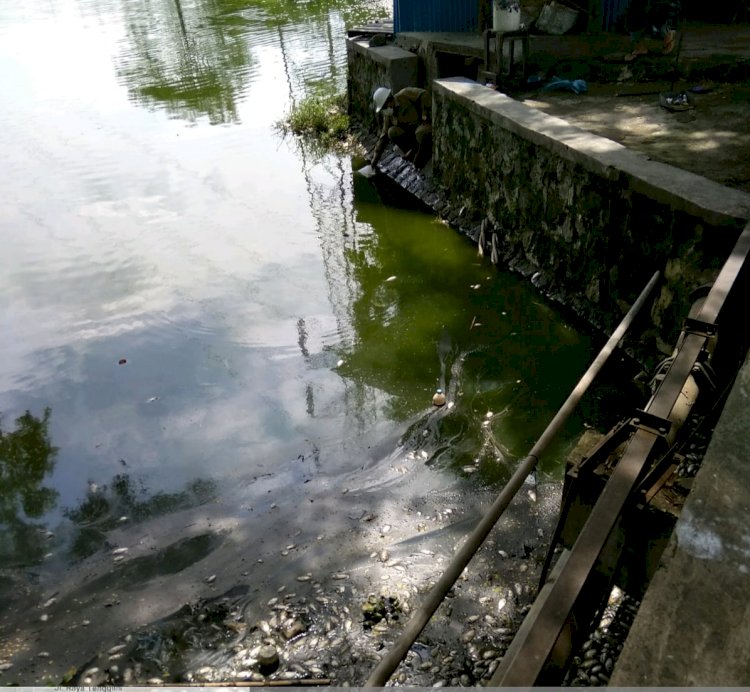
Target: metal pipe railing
column 435, row 597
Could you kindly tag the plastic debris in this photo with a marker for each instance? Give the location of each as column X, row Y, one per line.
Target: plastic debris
column 438, row 398
column 577, row 86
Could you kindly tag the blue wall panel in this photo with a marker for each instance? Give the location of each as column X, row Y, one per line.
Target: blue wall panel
column 435, row 15
column 612, row 10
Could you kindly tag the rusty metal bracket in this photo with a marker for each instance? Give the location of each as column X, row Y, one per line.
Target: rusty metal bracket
column 699, row 327
column 643, row 420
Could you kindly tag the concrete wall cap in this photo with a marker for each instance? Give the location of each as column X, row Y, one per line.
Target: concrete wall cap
column 682, row 190
column 381, row 54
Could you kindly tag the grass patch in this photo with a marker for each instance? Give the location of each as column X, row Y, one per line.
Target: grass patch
column 320, row 119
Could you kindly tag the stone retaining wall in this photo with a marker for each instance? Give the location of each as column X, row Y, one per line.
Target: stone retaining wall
column 587, row 218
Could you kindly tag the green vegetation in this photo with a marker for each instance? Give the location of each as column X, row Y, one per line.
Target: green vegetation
column 321, row 119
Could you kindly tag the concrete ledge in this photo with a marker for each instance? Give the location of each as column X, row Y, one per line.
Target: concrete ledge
column 399, row 64
column 693, row 627
column 681, row 190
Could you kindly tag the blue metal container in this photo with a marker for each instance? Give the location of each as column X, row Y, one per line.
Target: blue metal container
column 612, row 10
column 435, row 15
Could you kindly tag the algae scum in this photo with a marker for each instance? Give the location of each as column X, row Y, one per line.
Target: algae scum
column 220, row 349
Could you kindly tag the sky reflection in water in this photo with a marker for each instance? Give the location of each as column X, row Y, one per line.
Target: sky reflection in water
column 152, row 214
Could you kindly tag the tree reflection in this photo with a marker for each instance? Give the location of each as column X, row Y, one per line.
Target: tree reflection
column 107, row 507
column 26, row 457
column 290, row 12
column 190, row 58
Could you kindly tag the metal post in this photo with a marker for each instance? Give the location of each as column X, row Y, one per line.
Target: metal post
column 422, row 616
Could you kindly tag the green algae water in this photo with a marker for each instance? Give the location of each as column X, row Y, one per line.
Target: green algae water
column 210, row 335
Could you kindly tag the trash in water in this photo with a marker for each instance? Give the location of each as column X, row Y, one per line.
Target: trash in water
column 577, row 86
column 367, row 171
column 438, row 398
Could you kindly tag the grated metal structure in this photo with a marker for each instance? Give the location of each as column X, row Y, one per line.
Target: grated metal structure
column 606, row 496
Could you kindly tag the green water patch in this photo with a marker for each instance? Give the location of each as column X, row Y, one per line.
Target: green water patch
column 432, row 313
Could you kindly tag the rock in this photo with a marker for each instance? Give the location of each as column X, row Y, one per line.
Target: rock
column 268, row 658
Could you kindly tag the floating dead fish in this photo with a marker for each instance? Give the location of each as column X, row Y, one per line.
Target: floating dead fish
column 119, row 551
column 391, row 278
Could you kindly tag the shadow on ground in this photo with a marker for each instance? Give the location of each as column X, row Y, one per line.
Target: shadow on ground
column 712, row 139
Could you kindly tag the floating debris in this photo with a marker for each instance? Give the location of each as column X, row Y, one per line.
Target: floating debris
column 380, row 610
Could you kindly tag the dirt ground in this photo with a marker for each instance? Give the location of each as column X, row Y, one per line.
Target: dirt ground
column 711, row 139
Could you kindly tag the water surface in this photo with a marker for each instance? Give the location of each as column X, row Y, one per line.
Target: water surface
column 197, row 312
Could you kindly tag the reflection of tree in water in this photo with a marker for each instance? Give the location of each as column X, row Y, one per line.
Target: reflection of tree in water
column 105, row 508
column 192, row 57
column 26, row 457
column 285, row 12
column 188, row 57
